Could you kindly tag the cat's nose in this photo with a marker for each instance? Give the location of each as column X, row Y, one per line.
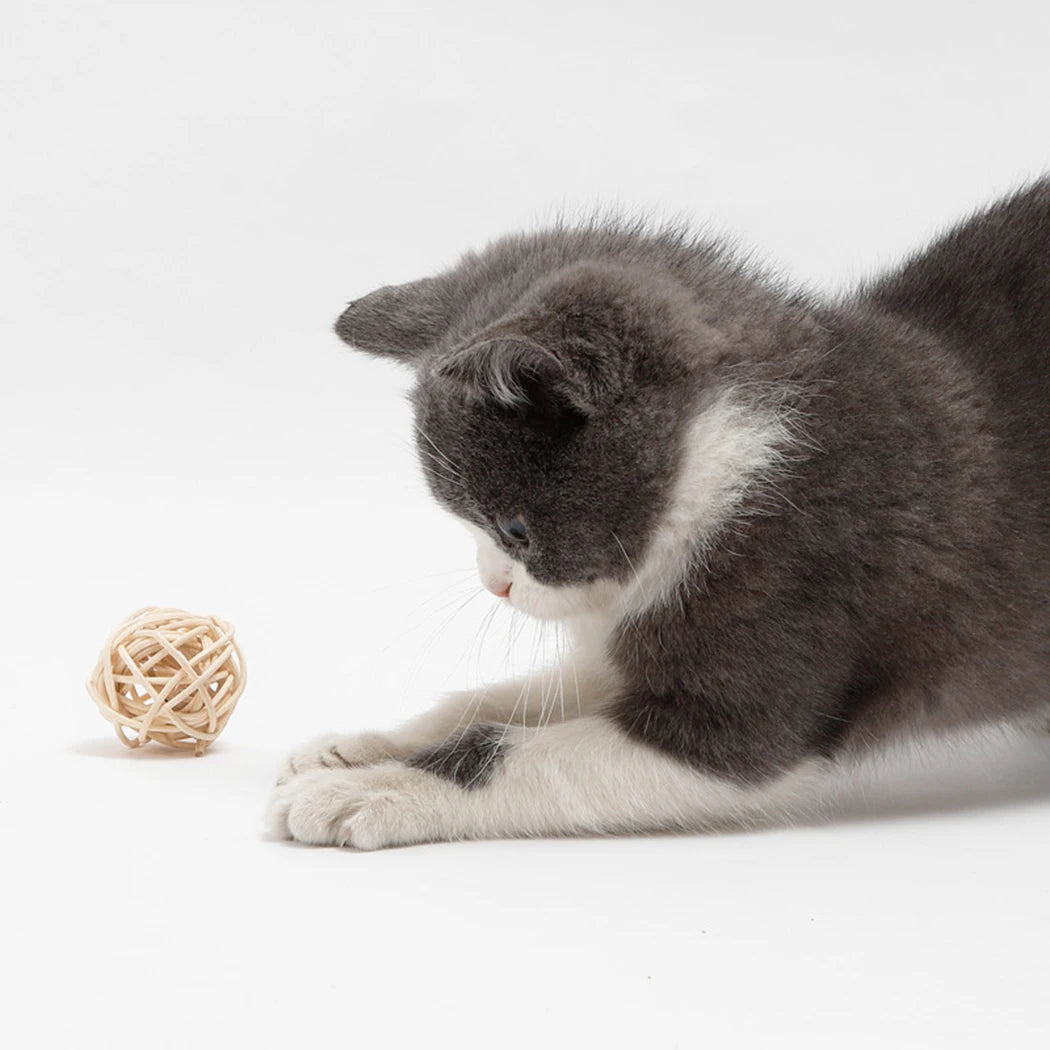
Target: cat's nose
column 500, row 590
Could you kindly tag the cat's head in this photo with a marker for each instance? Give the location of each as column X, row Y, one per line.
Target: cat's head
column 552, row 402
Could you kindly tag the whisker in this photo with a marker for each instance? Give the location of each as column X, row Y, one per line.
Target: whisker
column 400, row 584
column 440, row 470
column 449, row 464
column 576, row 681
column 435, row 636
column 457, row 589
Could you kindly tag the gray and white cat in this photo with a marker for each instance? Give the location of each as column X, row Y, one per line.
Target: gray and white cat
column 782, row 532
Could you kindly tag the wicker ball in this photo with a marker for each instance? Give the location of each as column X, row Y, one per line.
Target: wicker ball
column 169, row 676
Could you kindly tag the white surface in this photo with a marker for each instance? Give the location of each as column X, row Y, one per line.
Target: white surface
column 190, row 193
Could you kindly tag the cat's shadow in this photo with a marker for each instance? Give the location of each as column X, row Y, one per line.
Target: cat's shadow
column 936, row 779
column 944, row 777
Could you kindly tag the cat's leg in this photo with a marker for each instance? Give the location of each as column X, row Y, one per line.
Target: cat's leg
column 554, row 694
column 583, row 776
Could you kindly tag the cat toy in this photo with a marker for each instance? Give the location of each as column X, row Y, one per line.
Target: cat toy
column 169, row 676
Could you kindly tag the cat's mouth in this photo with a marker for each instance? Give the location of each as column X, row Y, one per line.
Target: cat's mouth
column 498, row 588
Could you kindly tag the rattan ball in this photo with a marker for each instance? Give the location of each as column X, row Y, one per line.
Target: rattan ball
column 169, row 676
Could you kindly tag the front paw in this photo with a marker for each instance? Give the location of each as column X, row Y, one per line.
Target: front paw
column 367, row 808
column 337, row 751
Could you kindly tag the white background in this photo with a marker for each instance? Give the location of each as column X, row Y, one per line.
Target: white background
column 190, row 193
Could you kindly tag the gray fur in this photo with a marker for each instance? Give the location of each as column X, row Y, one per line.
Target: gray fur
column 468, row 758
column 895, row 575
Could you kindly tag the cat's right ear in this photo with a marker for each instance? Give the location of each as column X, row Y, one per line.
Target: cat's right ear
column 398, row 321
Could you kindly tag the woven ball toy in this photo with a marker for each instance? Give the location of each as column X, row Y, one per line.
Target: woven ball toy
column 169, row 676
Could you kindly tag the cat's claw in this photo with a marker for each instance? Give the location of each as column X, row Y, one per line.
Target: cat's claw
column 337, row 751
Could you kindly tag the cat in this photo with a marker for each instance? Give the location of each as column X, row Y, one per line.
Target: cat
column 782, row 531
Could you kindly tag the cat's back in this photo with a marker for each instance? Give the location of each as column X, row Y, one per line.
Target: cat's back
column 983, row 291
column 986, row 282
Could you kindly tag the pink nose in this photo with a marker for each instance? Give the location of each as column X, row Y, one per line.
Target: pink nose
column 500, row 590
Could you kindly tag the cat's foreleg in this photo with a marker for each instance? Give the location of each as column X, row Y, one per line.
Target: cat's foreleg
column 584, row 776
column 565, row 691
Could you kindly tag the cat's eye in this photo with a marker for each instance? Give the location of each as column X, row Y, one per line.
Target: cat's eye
column 513, row 531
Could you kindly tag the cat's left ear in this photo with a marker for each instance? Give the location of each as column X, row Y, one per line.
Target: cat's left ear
column 399, row 321
column 581, row 338
column 516, row 371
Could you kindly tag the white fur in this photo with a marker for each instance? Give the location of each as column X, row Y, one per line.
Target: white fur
column 578, row 777
column 729, row 447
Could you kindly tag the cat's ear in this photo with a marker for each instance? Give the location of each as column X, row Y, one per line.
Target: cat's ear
column 581, row 339
column 399, row 321
column 517, row 372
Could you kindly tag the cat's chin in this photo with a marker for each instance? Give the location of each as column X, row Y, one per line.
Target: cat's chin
column 563, row 602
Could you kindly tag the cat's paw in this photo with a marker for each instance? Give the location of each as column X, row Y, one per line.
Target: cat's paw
column 367, row 808
column 337, row 751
